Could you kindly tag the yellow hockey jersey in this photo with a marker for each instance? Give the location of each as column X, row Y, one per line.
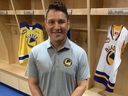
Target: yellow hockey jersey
column 30, row 36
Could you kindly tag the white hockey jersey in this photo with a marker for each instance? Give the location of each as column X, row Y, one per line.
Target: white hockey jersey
column 110, row 58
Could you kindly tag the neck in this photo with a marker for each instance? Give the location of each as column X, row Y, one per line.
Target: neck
column 57, row 45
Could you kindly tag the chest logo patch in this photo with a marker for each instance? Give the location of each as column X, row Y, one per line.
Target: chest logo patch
column 67, row 62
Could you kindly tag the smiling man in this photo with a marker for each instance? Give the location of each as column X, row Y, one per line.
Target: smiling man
column 57, row 67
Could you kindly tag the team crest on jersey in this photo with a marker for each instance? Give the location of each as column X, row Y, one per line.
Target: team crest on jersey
column 31, row 40
column 67, row 62
column 110, row 55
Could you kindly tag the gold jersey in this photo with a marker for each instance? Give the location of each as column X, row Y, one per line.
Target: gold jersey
column 30, row 36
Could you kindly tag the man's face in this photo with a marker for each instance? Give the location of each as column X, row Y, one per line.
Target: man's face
column 56, row 25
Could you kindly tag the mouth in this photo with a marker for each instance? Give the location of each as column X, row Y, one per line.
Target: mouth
column 58, row 31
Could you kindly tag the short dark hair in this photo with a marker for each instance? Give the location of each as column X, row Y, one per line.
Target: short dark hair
column 58, row 6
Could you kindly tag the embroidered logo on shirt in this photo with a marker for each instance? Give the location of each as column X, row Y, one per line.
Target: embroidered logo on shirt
column 67, row 62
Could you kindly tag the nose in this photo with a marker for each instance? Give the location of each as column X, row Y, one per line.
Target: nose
column 57, row 26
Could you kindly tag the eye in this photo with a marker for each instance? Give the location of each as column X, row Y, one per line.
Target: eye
column 51, row 22
column 61, row 21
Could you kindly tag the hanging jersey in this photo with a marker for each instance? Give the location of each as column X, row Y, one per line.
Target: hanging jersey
column 34, row 36
column 22, row 52
column 110, row 58
column 29, row 37
column 68, row 34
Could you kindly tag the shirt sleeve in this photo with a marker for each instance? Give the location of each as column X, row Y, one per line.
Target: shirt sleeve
column 31, row 67
column 83, row 71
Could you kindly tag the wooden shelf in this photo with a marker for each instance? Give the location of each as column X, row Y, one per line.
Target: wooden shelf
column 10, row 12
column 82, row 11
column 39, row 12
column 81, row 29
column 30, row 12
column 101, row 30
column 3, row 12
column 109, row 11
column 14, row 76
column 14, row 69
column 42, row 12
column 24, row 12
column 98, row 92
column 94, row 11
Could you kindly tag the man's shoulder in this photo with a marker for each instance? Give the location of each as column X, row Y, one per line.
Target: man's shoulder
column 40, row 46
column 76, row 47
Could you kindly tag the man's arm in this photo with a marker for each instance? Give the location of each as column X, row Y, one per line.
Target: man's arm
column 34, row 88
column 81, row 87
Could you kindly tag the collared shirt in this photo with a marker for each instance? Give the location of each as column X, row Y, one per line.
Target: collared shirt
column 58, row 70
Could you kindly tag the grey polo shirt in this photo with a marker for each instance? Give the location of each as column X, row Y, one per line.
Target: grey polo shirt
column 58, row 70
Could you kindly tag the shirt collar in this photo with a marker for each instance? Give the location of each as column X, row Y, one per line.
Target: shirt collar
column 66, row 45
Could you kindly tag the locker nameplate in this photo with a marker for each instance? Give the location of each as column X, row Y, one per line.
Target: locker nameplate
column 120, row 11
column 28, row 12
column 3, row 12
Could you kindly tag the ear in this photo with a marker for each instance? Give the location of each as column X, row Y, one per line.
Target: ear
column 45, row 24
column 68, row 24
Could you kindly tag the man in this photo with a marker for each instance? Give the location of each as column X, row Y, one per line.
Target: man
column 57, row 67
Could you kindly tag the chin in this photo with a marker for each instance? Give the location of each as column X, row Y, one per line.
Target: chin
column 58, row 39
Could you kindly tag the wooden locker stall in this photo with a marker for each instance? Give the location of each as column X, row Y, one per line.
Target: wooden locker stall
column 30, row 11
column 90, row 20
column 13, row 12
column 106, row 13
column 5, row 33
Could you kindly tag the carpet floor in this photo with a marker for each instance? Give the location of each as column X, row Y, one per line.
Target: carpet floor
column 6, row 90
